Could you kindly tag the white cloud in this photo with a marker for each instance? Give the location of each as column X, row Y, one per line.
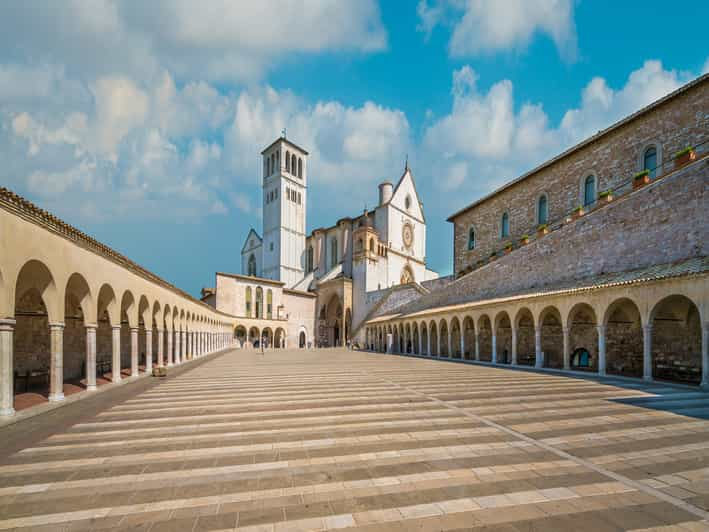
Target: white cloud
column 483, row 26
column 488, row 139
column 210, row 40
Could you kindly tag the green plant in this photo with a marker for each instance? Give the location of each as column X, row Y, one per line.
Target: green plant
column 684, row 152
column 542, row 227
column 508, row 245
column 605, row 194
column 578, row 208
column 641, row 175
column 524, row 238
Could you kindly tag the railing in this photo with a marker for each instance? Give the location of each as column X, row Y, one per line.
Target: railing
column 623, row 188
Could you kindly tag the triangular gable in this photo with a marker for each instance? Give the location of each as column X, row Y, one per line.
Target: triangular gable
column 248, row 237
column 407, row 186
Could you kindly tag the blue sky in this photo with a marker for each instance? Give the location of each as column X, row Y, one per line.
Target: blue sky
column 141, row 123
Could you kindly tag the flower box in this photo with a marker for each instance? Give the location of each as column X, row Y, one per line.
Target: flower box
column 578, row 212
column 605, row 197
column 508, row 248
column 524, row 240
column 542, row 230
column 685, row 156
column 641, row 179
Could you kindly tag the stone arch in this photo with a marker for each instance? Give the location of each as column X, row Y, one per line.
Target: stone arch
column 433, row 333
column 503, row 338
column 79, row 311
column 145, row 324
column 676, row 340
column 240, row 334
column 128, row 321
column 107, row 316
column 468, row 338
column 443, row 338
column 583, row 337
column 157, row 323
column 552, row 337
column 279, row 340
column 424, row 339
column 484, row 329
column 36, row 362
column 302, row 338
column 415, row 339
column 456, row 351
column 254, row 337
column 624, row 338
column 524, row 325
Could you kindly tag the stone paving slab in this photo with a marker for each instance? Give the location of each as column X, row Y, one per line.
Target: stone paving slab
column 331, row 439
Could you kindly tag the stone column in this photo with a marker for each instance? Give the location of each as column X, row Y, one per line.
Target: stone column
column 420, row 343
column 601, row 349
column 477, row 346
column 116, row 356
column 647, row 352
column 494, row 348
column 188, row 355
column 538, row 362
column 134, row 352
column 148, row 350
column 428, row 344
column 169, row 347
column 91, row 357
column 161, row 339
column 513, row 362
column 705, row 355
column 565, row 347
column 7, row 394
column 462, row 343
column 56, row 370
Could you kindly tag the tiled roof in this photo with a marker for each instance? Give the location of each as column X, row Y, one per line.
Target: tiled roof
column 451, row 298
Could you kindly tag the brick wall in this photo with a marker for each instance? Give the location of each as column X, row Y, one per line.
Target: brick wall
column 660, row 223
column 612, row 158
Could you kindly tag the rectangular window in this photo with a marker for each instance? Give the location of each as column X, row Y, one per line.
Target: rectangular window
column 269, row 312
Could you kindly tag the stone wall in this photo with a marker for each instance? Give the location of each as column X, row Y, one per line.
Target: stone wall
column 613, row 158
column 660, row 223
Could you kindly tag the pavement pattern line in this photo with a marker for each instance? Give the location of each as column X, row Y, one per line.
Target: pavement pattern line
column 684, row 505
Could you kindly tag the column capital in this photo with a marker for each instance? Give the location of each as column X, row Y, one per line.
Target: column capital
column 56, row 325
column 93, row 326
column 600, row 328
column 134, row 329
column 116, row 327
column 566, row 330
column 8, row 322
column 647, row 327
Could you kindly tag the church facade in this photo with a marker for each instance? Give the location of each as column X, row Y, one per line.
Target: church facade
column 327, row 280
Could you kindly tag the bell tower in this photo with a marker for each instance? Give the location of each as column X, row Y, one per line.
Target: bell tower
column 284, row 208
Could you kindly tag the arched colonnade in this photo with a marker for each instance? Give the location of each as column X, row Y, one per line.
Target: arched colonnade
column 653, row 331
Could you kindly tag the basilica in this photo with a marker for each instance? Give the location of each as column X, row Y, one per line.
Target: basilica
column 322, row 284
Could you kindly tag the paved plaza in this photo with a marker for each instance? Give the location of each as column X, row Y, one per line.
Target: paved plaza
column 331, row 439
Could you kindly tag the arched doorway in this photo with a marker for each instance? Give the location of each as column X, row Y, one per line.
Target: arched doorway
column 503, row 338
column 552, row 339
column 676, row 340
column 455, row 338
column 583, row 338
column 485, row 338
column 38, row 376
column 624, row 339
column 280, row 339
column 434, row 338
column 468, row 338
column 267, row 338
column 444, row 340
column 301, row 340
column 525, row 338
column 240, row 335
column 331, row 335
column 424, row 340
column 254, row 337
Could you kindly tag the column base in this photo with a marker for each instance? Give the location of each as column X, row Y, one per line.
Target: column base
column 647, row 378
column 116, row 379
column 6, row 412
column 704, row 385
column 91, row 388
column 56, row 397
column 134, row 374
